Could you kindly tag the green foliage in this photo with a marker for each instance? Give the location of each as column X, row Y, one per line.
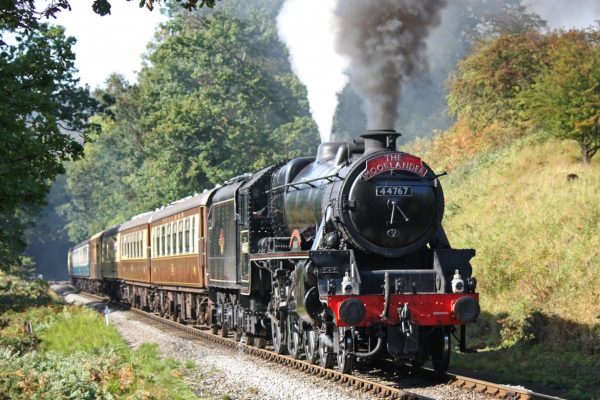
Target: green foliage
column 349, row 121
column 487, row 85
column 531, row 80
column 565, row 99
column 42, row 108
column 71, row 354
column 26, row 13
column 79, row 330
column 17, row 294
column 216, row 98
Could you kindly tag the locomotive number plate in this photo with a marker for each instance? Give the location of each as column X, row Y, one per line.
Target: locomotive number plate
column 394, row 191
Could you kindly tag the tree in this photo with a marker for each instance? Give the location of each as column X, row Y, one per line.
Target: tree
column 219, row 87
column 27, row 13
column 565, row 98
column 41, row 112
column 216, row 98
column 487, row 85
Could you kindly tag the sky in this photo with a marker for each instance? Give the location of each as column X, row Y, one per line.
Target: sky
column 116, row 42
column 113, row 43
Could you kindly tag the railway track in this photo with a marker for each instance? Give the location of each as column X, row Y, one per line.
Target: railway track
column 361, row 383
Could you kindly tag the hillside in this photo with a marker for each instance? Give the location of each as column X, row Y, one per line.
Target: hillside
column 538, row 253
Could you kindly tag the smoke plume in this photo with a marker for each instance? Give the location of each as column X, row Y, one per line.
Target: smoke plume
column 385, row 42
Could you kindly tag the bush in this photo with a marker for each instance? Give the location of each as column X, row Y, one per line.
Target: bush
column 67, row 352
column 17, row 294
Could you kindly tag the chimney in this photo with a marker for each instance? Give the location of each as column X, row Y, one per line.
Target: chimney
column 382, row 139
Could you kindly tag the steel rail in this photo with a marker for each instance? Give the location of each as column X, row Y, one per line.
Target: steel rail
column 382, row 390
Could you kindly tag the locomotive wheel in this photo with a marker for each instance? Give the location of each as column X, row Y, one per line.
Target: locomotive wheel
column 440, row 350
column 326, row 354
column 311, row 346
column 295, row 345
column 278, row 337
column 345, row 358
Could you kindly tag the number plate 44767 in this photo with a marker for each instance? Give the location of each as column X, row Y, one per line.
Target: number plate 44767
column 393, row 191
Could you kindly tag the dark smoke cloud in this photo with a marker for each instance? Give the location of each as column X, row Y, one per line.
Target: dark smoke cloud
column 385, row 41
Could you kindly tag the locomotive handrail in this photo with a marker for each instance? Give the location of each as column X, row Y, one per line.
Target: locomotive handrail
column 308, row 182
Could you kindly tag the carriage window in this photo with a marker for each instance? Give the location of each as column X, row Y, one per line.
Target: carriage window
column 139, row 244
column 180, row 236
column 194, row 240
column 187, row 235
column 156, row 238
column 162, row 241
column 168, row 239
column 174, row 237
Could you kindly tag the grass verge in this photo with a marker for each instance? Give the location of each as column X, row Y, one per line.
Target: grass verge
column 67, row 352
column 532, row 212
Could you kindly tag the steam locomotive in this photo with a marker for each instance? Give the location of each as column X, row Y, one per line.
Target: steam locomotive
column 334, row 258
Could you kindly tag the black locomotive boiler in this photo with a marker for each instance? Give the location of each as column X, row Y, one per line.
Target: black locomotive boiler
column 332, row 258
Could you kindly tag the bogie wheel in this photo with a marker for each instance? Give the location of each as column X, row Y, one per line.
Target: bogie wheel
column 278, row 337
column 224, row 330
column 214, row 329
column 440, row 350
column 294, row 339
column 311, row 346
column 326, row 354
column 248, row 340
column 261, row 341
column 345, row 357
